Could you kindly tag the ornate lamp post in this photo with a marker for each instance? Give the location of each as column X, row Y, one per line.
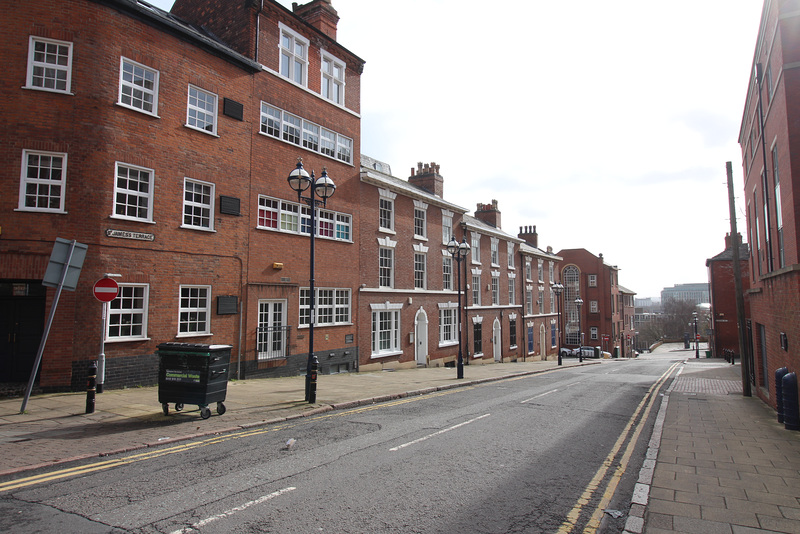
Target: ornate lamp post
column 696, row 340
column 579, row 303
column 459, row 252
column 557, row 289
column 299, row 180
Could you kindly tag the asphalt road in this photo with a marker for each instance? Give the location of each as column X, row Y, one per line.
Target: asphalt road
column 554, row 452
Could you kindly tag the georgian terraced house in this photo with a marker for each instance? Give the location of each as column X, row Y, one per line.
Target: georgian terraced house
column 163, row 142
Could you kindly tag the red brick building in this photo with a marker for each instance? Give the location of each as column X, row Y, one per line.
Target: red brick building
column 163, row 142
column 768, row 137
column 600, row 319
column 722, row 290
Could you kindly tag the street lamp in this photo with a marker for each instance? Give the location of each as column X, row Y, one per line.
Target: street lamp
column 579, row 303
column 696, row 340
column 459, row 252
column 557, row 289
column 299, row 180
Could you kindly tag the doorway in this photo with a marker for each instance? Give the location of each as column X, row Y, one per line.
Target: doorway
column 421, row 337
column 497, row 341
column 22, row 306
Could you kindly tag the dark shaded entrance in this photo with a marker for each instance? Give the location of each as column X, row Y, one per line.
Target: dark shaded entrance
column 22, row 306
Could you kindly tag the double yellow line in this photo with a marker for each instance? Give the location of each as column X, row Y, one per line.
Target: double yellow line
column 644, row 408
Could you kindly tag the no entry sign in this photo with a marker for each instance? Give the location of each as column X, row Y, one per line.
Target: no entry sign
column 105, row 289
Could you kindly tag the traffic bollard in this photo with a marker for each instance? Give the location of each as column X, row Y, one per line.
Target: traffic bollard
column 91, row 385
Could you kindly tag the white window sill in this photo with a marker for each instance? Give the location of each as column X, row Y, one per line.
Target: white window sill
column 196, row 129
column 39, row 210
column 447, row 344
column 386, row 354
column 46, row 90
column 194, row 334
column 132, row 219
column 126, row 339
column 143, row 112
column 198, row 228
column 386, row 230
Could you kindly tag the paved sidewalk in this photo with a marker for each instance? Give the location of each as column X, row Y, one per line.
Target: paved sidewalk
column 724, row 464
column 56, row 429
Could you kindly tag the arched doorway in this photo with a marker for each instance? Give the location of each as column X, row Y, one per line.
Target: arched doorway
column 497, row 341
column 421, row 337
column 542, row 342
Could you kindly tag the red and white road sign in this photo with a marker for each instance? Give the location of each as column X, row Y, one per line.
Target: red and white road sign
column 105, row 289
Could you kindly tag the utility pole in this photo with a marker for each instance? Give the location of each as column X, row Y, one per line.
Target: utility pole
column 737, row 279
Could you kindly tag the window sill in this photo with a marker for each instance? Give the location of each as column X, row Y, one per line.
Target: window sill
column 420, row 237
column 448, row 344
column 37, row 210
column 386, row 354
column 131, row 219
column 193, row 334
column 386, row 230
column 143, row 112
column 199, row 229
column 46, row 90
column 212, row 134
column 126, row 339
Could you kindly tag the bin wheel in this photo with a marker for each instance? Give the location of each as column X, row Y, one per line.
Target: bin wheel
column 165, row 408
column 205, row 413
column 178, row 406
column 221, row 408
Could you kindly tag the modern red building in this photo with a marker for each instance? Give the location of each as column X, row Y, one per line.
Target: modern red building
column 770, row 142
column 163, row 142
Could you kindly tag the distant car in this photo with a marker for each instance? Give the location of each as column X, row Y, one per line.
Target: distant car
column 585, row 352
column 564, row 352
column 606, row 355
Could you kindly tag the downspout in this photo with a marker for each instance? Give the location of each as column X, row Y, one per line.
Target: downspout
column 764, row 182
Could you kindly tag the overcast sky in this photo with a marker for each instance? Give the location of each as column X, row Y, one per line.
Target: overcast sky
column 605, row 124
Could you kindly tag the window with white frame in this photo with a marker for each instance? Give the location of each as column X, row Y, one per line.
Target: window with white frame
column 344, row 149
column 512, row 332
column 294, row 56
column 332, row 306
column 292, row 128
column 495, row 290
column 592, row 280
column 127, row 314
column 593, row 306
column 138, row 86
column 541, row 270
column 328, row 143
column 420, row 221
column 553, row 334
column 43, row 181
column 475, row 239
column 201, row 110
column 529, row 300
column 552, row 301
column 285, row 216
column 550, row 267
column 386, row 267
column 540, row 302
column 448, row 331
column 420, row 270
column 476, row 290
column 195, row 310
column 133, row 193
column 447, row 226
column 198, row 205
column 447, row 273
column 510, row 249
column 512, row 293
column 386, row 210
column 332, row 79
column 385, row 329
column 593, row 332
column 528, row 270
column 310, row 136
column 49, row 65
column 477, row 338
column 495, row 247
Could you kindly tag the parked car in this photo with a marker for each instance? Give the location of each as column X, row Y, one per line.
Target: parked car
column 585, row 352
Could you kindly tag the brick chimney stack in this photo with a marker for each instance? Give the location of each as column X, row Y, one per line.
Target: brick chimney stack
column 528, row 233
column 427, row 177
column 488, row 213
column 319, row 14
column 729, row 241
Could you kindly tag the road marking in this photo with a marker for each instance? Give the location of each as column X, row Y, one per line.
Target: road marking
column 594, row 484
column 232, row 511
column 539, row 396
column 459, row 425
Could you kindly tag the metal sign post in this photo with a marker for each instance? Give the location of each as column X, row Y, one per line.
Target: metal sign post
column 105, row 290
column 63, row 271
